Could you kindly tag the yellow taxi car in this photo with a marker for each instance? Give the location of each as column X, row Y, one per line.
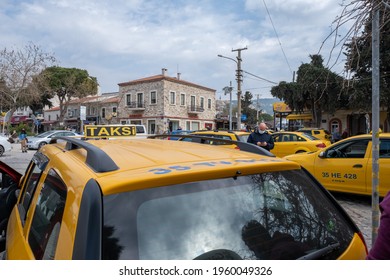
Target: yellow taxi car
column 319, row 133
column 152, row 199
column 346, row 166
column 288, row 142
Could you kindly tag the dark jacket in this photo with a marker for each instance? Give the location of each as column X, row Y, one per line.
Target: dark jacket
column 255, row 137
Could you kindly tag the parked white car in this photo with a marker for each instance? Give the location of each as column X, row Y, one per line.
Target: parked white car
column 5, row 146
column 36, row 142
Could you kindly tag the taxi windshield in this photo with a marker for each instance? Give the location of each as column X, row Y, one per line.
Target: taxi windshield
column 276, row 215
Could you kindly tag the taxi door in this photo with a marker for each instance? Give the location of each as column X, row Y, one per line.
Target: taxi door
column 282, row 145
column 17, row 236
column 384, row 169
column 343, row 167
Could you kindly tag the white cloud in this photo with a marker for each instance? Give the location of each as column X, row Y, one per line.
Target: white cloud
column 117, row 41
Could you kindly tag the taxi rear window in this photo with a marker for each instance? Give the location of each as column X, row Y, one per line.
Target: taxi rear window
column 284, row 213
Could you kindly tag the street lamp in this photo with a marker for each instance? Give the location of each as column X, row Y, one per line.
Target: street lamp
column 239, row 80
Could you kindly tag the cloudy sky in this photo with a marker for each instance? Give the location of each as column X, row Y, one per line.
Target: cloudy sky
column 122, row 40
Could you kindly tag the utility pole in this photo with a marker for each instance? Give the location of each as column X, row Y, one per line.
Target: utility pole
column 239, row 80
column 228, row 90
column 257, row 108
column 375, row 123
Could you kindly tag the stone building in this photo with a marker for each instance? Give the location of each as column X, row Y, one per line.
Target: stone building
column 164, row 103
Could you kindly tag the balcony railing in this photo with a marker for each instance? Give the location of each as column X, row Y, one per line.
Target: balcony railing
column 136, row 105
column 195, row 109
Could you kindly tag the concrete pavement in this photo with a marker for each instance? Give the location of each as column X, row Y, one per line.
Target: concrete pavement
column 16, row 159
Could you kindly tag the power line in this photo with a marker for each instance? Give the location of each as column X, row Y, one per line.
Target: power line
column 277, row 36
column 259, row 77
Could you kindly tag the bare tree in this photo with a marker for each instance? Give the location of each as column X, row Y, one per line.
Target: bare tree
column 18, row 70
column 353, row 18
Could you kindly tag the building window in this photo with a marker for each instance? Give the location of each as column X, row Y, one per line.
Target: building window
column 202, row 102
column 193, row 103
column 140, row 100
column 182, row 99
column 195, row 126
column 153, row 97
column 172, row 98
column 128, row 99
column 103, row 112
column 92, row 111
column 209, row 103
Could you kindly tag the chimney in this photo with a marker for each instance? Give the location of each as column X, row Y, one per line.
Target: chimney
column 164, row 71
column 178, row 76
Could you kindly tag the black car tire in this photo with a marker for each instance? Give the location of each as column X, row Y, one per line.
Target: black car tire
column 41, row 145
column 1, row 150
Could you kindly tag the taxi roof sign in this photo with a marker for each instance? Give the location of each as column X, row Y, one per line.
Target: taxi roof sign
column 109, row 130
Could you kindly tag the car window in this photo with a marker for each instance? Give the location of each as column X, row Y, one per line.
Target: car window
column 243, row 138
column 277, row 137
column 28, row 191
column 224, row 137
column 37, row 165
column 384, row 148
column 287, row 138
column 306, row 131
column 311, row 137
column 68, row 133
column 44, row 134
column 46, row 223
column 140, row 129
column 186, row 220
column 349, row 149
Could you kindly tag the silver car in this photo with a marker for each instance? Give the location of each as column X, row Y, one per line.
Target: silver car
column 5, row 146
column 44, row 138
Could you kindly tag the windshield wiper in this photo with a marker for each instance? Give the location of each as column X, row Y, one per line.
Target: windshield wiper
column 321, row 252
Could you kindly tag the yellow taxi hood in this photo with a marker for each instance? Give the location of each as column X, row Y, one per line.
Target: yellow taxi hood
column 150, row 162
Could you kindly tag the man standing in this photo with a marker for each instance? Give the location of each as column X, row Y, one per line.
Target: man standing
column 336, row 135
column 261, row 138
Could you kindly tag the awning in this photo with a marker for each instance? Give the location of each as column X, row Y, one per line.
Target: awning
column 299, row 117
column 281, row 107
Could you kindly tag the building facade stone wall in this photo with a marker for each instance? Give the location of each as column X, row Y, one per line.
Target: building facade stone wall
column 167, row 113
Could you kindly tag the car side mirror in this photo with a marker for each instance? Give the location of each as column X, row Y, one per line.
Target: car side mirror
column 321, row 154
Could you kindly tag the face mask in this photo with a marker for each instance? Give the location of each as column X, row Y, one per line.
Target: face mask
column 261, row 131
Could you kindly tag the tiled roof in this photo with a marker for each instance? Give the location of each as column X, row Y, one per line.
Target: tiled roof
column 160, row 78
column 96, row 98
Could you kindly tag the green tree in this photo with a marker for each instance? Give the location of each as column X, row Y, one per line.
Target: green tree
column 266, row 117
column 317, row 89
column 246, row 108
column 66, row 84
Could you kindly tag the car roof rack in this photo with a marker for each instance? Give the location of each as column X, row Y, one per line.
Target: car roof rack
column 244, row 146
column 97, row 159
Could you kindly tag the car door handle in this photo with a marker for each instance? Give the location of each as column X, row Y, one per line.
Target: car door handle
column 357, row 166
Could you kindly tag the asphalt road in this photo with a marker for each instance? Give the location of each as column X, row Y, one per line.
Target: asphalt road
column 358, row 207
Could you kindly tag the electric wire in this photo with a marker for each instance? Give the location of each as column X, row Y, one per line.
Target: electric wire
column 277, row 36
